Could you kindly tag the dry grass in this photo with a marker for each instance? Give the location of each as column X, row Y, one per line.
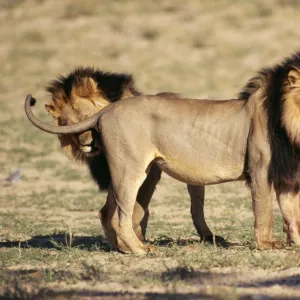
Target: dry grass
column 51, row 244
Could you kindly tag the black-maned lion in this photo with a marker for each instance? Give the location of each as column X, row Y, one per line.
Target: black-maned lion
column 84, row 92
column 255, row 138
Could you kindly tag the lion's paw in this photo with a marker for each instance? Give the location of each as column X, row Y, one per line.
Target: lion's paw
column 266, row 245
column 278, row 245
column 151, row 249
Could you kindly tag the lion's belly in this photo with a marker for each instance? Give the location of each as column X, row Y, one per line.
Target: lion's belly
column 201, row 173
column 204, row 153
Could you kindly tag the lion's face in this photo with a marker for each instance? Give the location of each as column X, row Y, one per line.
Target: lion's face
column 78, row 110
column 84, row 101
column 291, row 107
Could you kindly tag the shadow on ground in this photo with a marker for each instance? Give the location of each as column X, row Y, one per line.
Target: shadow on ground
column 79, row 294
column 241, row 280
column 166, row 241
column 292, row 280
column 18, row 292
column 58, row 241
column 226, row 285
column 88, row 242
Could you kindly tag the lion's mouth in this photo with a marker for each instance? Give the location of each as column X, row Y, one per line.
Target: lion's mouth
column 86, row 149
column 90, row 151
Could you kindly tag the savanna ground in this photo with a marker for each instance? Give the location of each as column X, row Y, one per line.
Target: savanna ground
column 51, row 244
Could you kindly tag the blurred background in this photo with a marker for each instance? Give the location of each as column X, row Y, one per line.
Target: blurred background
column 200, row 48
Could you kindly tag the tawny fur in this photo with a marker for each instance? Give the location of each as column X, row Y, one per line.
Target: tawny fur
column 73, row 94
column 192, row 141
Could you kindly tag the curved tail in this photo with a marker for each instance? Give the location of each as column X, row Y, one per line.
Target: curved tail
column 69, row 129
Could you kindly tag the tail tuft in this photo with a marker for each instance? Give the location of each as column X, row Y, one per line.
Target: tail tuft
column 32, row 101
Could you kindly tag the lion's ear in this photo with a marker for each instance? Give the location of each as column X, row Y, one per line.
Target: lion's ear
column 101, row 100
column 293, row 76
column 52, row 110
column 85, row 88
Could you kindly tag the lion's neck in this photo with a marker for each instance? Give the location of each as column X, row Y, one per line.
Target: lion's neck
column 128, row 94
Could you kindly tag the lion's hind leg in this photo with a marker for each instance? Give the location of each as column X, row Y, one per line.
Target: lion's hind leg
column 289, row 206
column 109, row 220
column 126, row 181
column 105, row 215
column 197, row 196
column 197, row 211
column 140, row 212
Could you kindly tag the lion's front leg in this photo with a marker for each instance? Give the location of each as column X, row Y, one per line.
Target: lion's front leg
column 289, row 205
column 145, row 193
column 263, row 195
column 105, row 215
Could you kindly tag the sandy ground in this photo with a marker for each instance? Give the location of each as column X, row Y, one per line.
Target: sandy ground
column 201, row 49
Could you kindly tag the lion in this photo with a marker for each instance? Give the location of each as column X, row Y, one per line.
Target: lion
column 84, row 92
column 255, row 138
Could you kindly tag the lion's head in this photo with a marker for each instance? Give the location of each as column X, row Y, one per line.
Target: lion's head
column 79, row 95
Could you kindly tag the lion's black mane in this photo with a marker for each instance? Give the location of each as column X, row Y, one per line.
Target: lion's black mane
column 113, row 86
column 285, row 156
